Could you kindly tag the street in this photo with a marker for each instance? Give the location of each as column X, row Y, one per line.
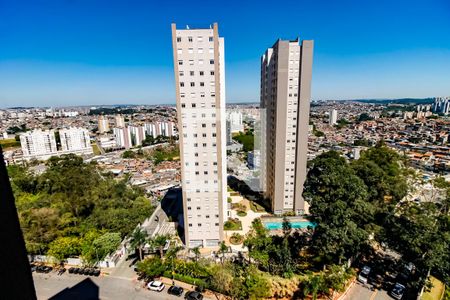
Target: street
column 360, row 291
column 72, row 286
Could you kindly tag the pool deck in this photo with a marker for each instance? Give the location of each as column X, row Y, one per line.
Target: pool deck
column 279, row 219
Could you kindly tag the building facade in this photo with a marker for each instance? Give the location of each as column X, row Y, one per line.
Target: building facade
column 38, row 144
column 333, row 117
column 120, row 121
column 137, row 135
column 235, row 118
column 123, row 137
column 103, row 124
column 441, row 105
column 75, row 140
column 286, row 71
column 199, row 67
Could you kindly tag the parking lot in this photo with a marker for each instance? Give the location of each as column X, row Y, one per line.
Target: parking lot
column 72, row 286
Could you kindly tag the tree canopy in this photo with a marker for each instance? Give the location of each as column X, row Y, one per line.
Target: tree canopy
column 73, row 203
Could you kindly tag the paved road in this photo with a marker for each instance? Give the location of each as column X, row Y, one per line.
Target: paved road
column 364, row 292
column 105, row 288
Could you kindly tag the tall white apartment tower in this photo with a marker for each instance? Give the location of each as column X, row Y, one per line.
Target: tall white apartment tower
column 286, row 70
column 333, row 117
column 199, row 66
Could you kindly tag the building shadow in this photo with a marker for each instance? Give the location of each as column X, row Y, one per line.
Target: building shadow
column 172, row 205
column 84, row 290
column 244, row 189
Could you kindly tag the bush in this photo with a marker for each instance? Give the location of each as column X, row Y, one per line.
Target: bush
column 187, row 279
column 232, row 224
column 241, row 213
column 236, row 239
column 229, row 200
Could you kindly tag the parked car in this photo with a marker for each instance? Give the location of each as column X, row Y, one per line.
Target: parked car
column 175, row 290
column 96, row 272
column 193, row 296
column 377, row 281
column 156, row 286
column 398, row 291
column 363, row 276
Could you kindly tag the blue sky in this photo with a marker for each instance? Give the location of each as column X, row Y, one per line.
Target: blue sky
column 73, row 52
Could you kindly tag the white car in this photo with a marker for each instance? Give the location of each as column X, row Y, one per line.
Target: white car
column 364, row 275
column 156, row 286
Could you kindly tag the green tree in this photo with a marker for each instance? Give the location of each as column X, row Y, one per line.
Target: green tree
column 338, row 207
column 138, row 239
column 158, row 242
column 64, row 247
column 151, row 267
column 106, row 244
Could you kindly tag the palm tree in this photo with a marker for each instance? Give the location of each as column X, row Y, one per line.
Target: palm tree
column 223, row 249
column 159, row 242
column 138, row 239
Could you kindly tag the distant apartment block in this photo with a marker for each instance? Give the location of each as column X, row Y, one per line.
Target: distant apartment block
column 333, row 117
column 235, row 118
column 75, row 140
column 103, row 124
column 441, row 105
column 286, row 70
column 120, row 121
column 38, row 144
column 137, row 135
column 199, row 67
column 123, row 137
column 155, row 129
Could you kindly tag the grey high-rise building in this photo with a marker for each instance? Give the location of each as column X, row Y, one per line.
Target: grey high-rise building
column 286, row 70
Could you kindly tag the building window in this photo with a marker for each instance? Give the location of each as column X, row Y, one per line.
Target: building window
column 180, row 51
column 212, row 73
column 202, row 73
column 183, row 105
column 181, row 73
column 200, row 50
column 204, row 125
column 200, row 39
column 189, row 208
column 211, row 50
column 181, row 84
column 211, row 61
column 178, row 39
column 211, row 38
column 193, row 105
column 192, row 83
column 190, row 38
column 202, row 84
column 190, row 225
column 200, row 61
column 214, row 134
column 180, row 62
column 191, row 50
column 191, row 62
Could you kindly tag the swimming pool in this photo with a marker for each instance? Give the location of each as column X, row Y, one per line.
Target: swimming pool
column 296, row 224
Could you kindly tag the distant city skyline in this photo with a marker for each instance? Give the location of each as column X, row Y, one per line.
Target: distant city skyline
column 78, row 53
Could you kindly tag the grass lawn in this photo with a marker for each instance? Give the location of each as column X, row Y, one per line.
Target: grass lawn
column 232, row 225
column 436, row 291
column 9, row 143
